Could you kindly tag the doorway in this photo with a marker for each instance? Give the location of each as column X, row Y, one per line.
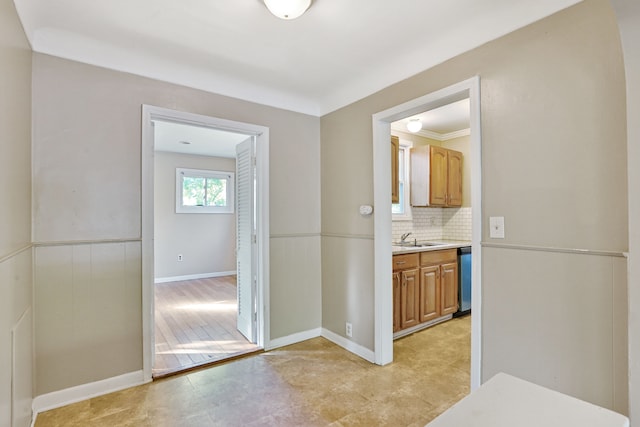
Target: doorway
column 201, row 291
column 382, row 236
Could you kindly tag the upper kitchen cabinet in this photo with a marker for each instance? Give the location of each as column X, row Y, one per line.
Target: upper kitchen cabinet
column 395, row 179
column 436, row 176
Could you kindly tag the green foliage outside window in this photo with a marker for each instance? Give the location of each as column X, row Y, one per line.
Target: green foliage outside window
column 198, row 191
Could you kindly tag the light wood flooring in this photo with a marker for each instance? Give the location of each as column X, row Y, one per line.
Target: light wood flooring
column 312, row 383
column 196, row 324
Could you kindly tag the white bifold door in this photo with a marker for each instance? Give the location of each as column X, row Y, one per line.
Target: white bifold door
column 246, row 238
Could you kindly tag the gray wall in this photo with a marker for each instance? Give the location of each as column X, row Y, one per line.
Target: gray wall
column 15, row 221
column 207, row 242
column 87, row 193
column 554, row 164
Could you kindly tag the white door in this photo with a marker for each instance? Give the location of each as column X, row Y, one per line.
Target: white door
column 246, row 238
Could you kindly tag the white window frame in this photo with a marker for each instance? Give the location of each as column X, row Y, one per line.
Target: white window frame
column 406, row 216
column 202, row 173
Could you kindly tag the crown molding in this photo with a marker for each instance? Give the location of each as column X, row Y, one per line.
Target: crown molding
column 434, row 135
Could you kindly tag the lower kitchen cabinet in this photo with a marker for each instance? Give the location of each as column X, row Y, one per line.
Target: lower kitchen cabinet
column 425, row 287
column 449, row 288
column 406, row 288
column 429, row 293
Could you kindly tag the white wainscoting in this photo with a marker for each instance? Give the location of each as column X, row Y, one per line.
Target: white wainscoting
column 16, row 338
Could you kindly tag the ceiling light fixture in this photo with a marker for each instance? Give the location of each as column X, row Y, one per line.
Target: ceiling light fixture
column 414, row 125
column 287, row 9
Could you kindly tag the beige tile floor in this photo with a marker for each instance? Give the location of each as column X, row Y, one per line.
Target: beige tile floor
column 313, row 383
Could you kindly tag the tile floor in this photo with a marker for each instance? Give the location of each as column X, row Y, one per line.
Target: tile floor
column 313, row 383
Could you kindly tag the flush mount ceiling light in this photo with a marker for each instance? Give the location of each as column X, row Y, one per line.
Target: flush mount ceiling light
column 414, row 125
column 287, row 9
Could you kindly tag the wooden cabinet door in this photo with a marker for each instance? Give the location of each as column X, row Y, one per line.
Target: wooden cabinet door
column 429, row 293
column 396, row 301
column 438, row 176
column 454, row 178
column 448, row 288
column 395, row 179
column 409, row 298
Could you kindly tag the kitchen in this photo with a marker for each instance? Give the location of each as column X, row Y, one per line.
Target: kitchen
column 431, row 218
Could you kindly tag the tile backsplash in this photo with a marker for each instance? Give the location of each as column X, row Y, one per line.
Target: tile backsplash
column 435, row 224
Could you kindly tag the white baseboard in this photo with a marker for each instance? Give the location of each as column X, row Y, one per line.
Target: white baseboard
column 293, row 338
column 349, row 345
column 194, row 276
column 75, row 394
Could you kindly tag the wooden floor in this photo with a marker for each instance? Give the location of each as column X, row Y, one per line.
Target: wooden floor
column 196, row 324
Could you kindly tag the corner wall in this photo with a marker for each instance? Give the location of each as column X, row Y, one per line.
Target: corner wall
column 16, row 312
column 628, row 13
column 87, row 215
column 553, row 164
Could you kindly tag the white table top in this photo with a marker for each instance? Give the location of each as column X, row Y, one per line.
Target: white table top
column 506, row 401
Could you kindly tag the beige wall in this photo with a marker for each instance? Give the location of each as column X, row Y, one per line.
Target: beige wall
column 207, row 242
column 87, row 188
column 16, row 282
column 628, row 13
column 551, row 94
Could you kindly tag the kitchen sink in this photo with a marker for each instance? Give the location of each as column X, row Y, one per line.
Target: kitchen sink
column 416, row 244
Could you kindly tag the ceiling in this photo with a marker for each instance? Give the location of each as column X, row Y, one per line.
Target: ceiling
column 443, row 123
column 338, row 52
column 195, row 140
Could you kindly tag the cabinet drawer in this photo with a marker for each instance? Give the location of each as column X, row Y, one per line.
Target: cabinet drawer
column 438, row 257
column 405, row 261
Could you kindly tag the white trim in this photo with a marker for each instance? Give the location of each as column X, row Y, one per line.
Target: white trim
column 444, row 136
column 75, row 394
column 434, row 135
column 405, row 146
column 349, row 345
column 261, row 133
column 294, row 338
column 383, row 312
column 193, row 276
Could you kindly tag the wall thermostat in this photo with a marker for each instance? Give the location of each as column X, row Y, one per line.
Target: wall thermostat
column 366, row 210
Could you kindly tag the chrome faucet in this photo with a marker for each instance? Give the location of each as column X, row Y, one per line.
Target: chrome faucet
column 404, row 237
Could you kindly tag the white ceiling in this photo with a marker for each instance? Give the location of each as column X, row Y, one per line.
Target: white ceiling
column 446, row 122
column 338, row 52
column 195, row 140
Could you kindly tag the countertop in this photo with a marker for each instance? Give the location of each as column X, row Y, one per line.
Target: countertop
column 506, row 401
column 441, row 244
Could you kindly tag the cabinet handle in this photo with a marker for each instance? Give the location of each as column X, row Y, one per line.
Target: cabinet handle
column 400, row 262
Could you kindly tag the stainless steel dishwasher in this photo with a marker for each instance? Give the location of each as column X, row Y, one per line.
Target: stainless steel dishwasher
column 464, row 281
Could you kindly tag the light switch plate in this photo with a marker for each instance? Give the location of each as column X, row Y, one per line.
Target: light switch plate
column 496, row 227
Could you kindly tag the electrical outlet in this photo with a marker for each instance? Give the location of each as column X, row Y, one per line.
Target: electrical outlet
column 179, row 257
column 349, row 330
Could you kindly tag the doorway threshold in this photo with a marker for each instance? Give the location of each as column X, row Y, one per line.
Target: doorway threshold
column 206, row 365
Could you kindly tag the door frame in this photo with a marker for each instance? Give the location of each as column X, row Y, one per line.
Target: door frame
column 383, row 295
column 261, row 134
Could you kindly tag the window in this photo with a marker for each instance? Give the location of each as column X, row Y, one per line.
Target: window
column 204, row 191
column 402, row 210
